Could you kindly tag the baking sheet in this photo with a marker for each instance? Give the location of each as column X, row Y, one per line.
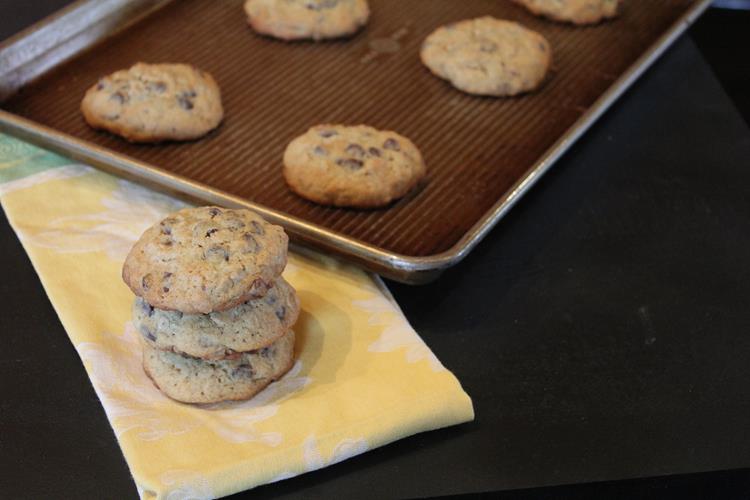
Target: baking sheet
column 482, row 153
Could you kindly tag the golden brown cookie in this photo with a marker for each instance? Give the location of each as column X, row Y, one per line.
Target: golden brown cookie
column 352, row 166
column 155, row 102
column 488, row 56
column 307, row 19
column 194, row 380
column 579, row 12
column 220, row 335
column 206, row 259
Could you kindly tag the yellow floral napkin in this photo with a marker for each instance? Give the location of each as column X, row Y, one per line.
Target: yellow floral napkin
column 363, row 377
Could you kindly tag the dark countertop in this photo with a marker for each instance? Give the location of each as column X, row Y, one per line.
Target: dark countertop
column 601, row 328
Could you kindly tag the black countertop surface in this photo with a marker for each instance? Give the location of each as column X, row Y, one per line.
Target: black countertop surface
column 601, row 329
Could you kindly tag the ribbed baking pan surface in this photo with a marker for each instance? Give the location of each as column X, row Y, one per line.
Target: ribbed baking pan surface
column 476, row 148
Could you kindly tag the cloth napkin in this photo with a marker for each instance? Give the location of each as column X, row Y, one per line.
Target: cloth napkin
column 363, row 377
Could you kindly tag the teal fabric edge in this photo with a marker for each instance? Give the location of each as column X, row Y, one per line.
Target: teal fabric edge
column 19, row 159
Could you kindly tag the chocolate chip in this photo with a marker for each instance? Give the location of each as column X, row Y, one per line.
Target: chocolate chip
column 184, row 102
column 99, row 86
column 392, row 144
column 265, row 352
column 251, row 244
column 167, row 242
column 256, row 228
column 215, row 252
column 542, row 47
column 213, row 212
column 327, row 133
column 350, row 163
column 118, row 97
column 158, row 87
column 165, row 289
column 320, row 151
column 242, row 371
column 147, row 333
column 147, row 308
column 355, row 150
column 321, row 4
column 167, row 276
column 281, row 313
column 374, row 152
column 147, row 281
column 210, row 232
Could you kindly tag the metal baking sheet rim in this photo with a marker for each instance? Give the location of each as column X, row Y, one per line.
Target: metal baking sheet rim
column 403, row 268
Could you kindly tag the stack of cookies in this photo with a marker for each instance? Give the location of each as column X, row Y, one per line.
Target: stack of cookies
column 213, row 311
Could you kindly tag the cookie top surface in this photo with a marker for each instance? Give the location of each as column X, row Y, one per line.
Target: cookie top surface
column 573, row 11
column 206, row 259
column 220, row 335
column 307, row 19
column 488, row 56
column 352, row 166
column 193, row 380
column 155, row 102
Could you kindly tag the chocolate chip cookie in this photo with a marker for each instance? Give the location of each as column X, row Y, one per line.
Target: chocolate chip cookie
column 155, row 102
column 488, row 56
column 573, row 11
column 206, row 259
column 220, row 335
column 307, row 19
column 194, row 380
column 352, row 166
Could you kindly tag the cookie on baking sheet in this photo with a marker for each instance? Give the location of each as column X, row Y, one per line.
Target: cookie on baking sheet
column 488, row 56
column 352, row 166
column 193, row 380
column 220, row 335
column 307, row 19
column 206, row 259
column 155, row 102
column 573, row 11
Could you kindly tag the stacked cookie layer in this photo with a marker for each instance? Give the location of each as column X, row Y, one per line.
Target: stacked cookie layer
column 214, row 313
